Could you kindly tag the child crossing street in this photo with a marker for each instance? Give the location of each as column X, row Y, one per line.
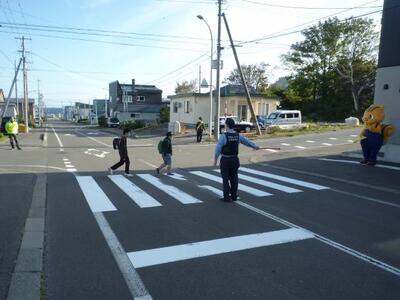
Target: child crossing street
column 165, row 149
column 123, row 155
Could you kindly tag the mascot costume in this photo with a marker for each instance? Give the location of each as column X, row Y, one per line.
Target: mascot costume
column 374, row 134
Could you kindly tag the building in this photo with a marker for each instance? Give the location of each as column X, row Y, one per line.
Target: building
column 20, row 105
column 99, row 107
column 134, row 101
column 82, row 111
column 387, row 85
column 69, row 112
column 187, row 108
column 2, row 97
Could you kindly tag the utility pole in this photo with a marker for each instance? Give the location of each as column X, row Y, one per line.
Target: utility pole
column 199, row 79
column 16, row 91
column 39, row 104
column 249, row 103
column 10, row 92
column 218, row 66
column 25, row 75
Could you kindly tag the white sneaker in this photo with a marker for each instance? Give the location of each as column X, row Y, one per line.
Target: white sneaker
column 111, row 171
column 128, row 175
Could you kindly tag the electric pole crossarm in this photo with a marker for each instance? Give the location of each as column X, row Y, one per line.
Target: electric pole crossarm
column 11, row 90
column 249, row 103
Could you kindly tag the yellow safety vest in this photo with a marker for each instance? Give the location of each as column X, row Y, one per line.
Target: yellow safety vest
column 12, row 127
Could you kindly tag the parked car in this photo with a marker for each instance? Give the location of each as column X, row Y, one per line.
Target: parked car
column 286, row 119
column 239, row 125
column 262, row 121
column 113, row 122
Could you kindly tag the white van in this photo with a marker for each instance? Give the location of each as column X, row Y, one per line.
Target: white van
column 285, row 119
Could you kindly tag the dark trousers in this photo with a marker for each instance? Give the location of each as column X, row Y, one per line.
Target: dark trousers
column 13, row 137
column 371, row 145
column 229, row 171
column 124, row 159
column 199, row 135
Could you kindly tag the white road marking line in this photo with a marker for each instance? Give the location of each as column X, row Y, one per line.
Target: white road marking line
column 94, row 139
column 285, row 179
column 354, row 135
column 242, row 187
column 333, row 138
column 151, row 257
column 170, row 190
column 147, row 163
column 176, row 176
column 58, row 138
column 216, row 191
column 69, row 166
column 65, row 159
column 271, row 150
column 326, row 144
column 308, row 141
column 357, row 163
column 269, row 184
column 285, row 144
column 300, row 147
column 327, row 241
column 132, row 278
column 139, row 196
column 350, row 141
column 72, row 170
column 95, row 197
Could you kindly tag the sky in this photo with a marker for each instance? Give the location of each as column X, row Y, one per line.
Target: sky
column 77, row 47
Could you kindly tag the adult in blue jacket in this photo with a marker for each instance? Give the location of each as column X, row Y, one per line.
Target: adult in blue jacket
column 228, row 148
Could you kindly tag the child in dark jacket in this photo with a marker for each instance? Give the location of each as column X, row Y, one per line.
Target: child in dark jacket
column 123, row 155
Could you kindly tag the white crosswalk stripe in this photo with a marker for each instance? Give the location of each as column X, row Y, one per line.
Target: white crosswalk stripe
column 242, row 187
column 139, row 196
column 266, row 183
column 95, row 197
column 99, row 202
column 284, row 179
column 169, row 189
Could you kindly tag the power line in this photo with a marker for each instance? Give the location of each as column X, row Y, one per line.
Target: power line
column 284, row 33
column 108, row 42
column 303, row 7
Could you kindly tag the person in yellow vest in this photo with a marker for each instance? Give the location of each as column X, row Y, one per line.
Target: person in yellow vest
column 12, row 132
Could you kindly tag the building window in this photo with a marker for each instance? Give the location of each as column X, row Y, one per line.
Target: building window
column 175, row 107
column 187, row 107
column 127, row 98
column 140, row 98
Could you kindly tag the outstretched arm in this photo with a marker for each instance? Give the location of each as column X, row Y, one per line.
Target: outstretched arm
column 245, row 141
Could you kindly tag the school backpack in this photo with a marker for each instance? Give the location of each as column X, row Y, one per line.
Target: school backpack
column 160, row 147
column 116, row 142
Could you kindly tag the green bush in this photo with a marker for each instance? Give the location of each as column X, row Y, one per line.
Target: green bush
column 164, row 114
column 132, row 125
column 102, row 121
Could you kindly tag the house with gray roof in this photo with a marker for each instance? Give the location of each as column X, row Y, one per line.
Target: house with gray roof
column 135, row 101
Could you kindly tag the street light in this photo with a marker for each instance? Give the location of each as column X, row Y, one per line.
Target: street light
column 211, row 68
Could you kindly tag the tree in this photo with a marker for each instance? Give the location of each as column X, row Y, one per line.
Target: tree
column 186, row 87
column 357, row 59
column 255, row 76
column 333, row 67
column 164, row 114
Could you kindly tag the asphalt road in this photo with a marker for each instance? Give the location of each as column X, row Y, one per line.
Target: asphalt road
column 309, row 223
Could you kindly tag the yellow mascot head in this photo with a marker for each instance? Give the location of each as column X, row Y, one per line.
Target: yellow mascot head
column 373, row 115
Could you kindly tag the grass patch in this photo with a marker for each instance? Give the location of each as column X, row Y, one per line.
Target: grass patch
column 311, row 128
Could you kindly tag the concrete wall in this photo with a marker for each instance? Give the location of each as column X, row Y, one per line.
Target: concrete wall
column 387, row 87
column 122, row 116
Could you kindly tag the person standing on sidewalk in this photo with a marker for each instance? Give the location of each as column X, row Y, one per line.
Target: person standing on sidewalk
column 199, row 129
column 165, row 149
column 228, row 148
column 123, row 155
column 12, row 132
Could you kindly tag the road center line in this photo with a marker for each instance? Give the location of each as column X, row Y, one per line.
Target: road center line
column 151, row 257
column 355, row 253
column 58, row 138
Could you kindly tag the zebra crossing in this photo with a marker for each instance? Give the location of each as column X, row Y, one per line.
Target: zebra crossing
column 138, row 191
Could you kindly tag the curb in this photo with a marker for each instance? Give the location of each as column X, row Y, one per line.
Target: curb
column 26, row 279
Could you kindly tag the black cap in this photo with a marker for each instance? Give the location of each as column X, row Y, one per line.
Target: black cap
column 230, row 122
column 169, row 133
